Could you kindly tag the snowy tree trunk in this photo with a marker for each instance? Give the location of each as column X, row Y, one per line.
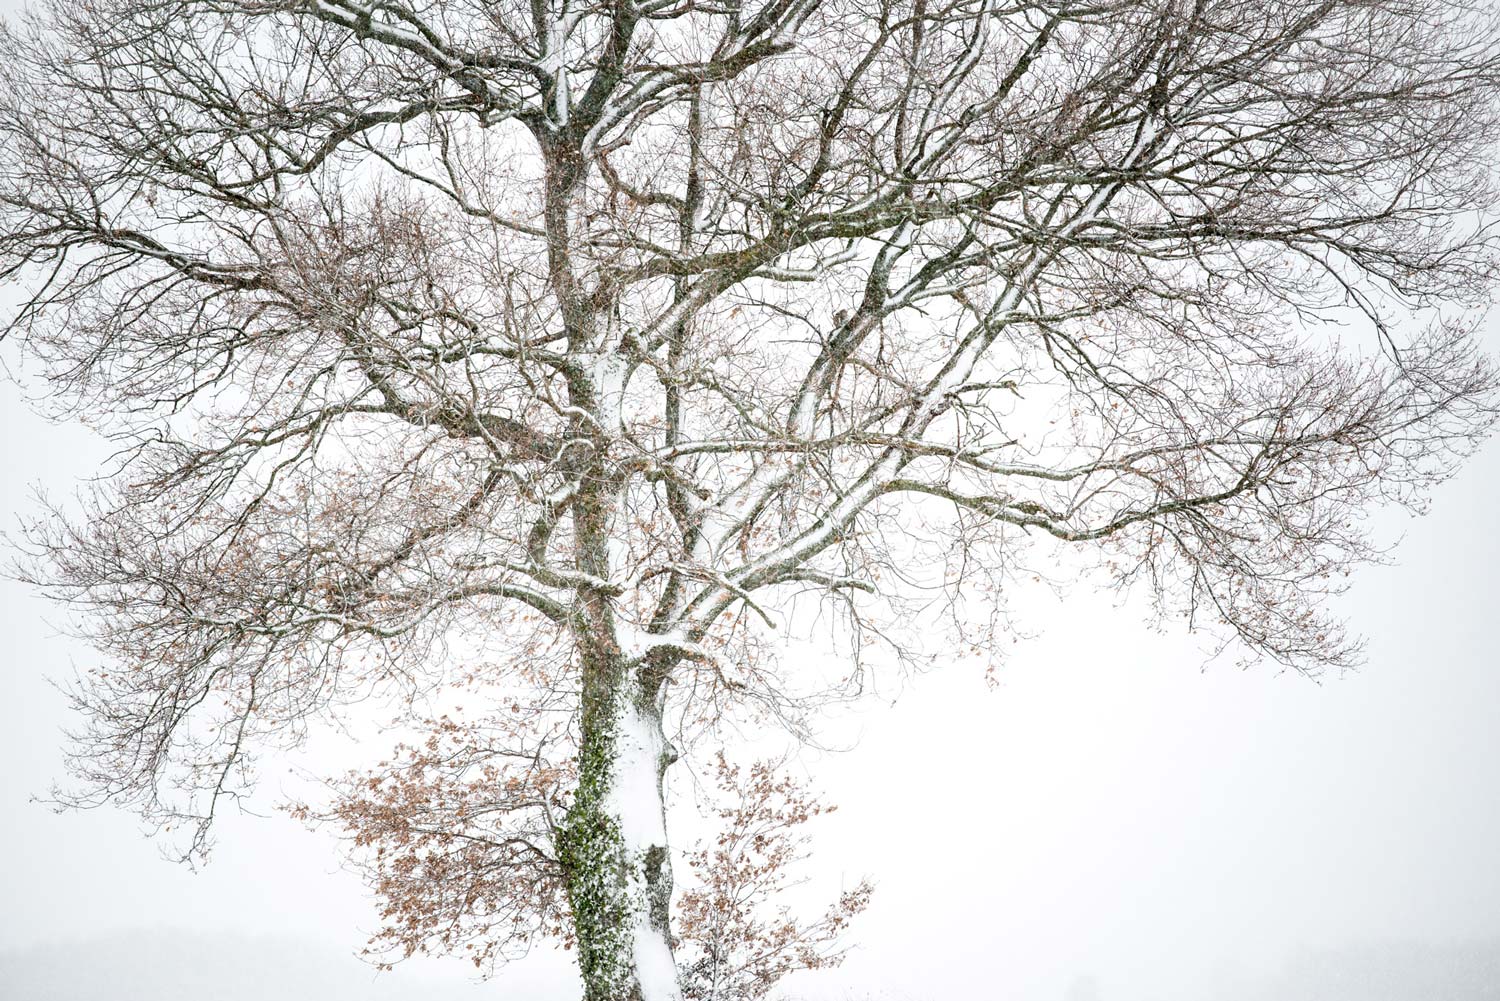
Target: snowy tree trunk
column 614, row 846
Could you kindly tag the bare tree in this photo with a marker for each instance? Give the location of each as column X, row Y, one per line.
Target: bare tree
column 555, row 352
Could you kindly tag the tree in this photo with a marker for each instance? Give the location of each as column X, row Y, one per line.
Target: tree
column 555, row 353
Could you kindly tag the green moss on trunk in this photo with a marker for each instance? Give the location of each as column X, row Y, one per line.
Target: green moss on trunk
column 593, row 856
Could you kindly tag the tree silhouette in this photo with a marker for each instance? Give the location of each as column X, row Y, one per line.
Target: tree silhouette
column 556, row 353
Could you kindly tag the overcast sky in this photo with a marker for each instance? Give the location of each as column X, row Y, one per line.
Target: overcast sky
column 1110, row 824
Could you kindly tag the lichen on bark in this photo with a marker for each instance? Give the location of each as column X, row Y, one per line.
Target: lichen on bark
column 594, row 858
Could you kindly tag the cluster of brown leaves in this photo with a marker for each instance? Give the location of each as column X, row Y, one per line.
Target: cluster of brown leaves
column 737, row 938
column 455, row 837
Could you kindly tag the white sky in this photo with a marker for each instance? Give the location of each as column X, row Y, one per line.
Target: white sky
column 1110, row 814
column 1111, row 824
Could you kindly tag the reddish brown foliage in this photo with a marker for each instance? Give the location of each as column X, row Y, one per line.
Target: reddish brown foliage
column 736, row 937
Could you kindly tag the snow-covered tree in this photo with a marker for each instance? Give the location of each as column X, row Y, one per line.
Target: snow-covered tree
column 557, row 353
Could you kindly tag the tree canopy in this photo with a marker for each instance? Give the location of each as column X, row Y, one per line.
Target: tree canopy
column 555, row 352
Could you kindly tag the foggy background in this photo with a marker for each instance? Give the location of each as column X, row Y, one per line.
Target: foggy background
column 1111, row 823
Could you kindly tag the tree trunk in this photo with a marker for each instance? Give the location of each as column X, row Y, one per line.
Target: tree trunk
column 614, row 844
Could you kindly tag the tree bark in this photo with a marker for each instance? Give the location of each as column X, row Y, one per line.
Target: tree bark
column 614, row 845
